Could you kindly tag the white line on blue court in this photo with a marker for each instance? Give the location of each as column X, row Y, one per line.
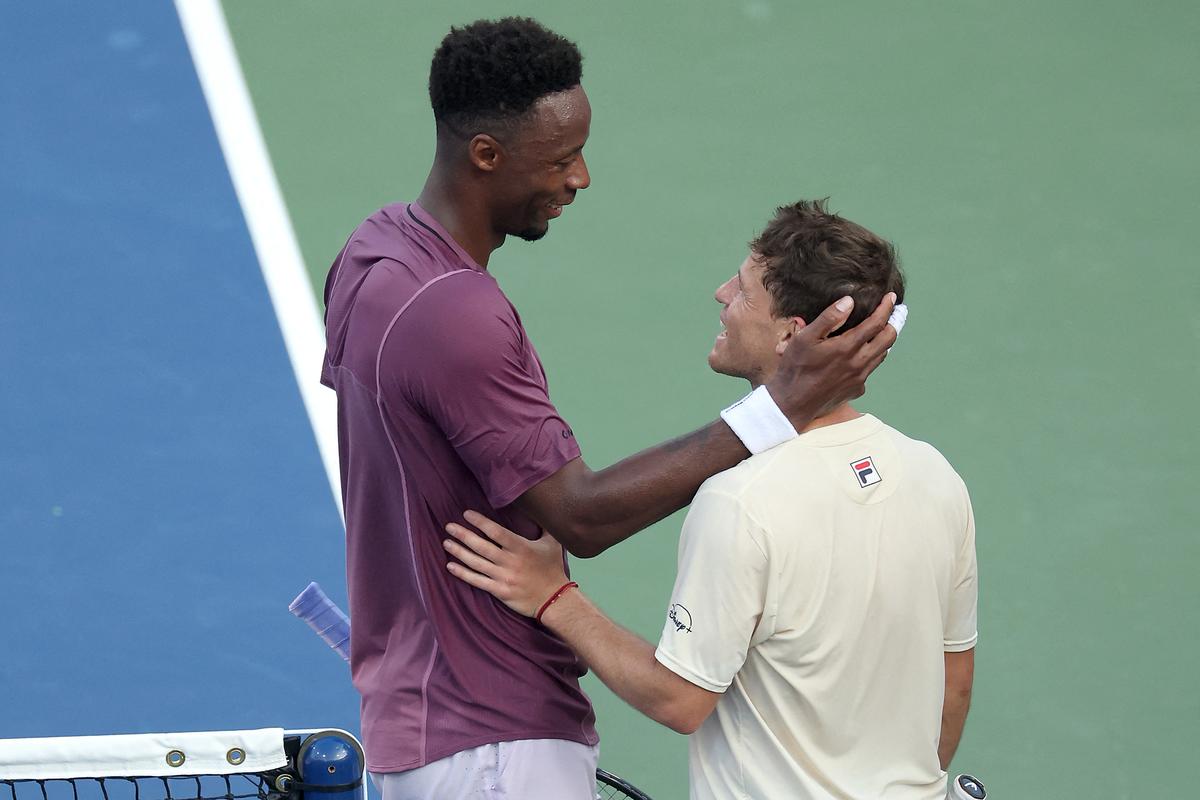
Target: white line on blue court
column 271, row 230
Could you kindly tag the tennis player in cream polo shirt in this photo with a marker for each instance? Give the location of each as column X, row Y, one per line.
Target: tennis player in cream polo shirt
column 820, row 636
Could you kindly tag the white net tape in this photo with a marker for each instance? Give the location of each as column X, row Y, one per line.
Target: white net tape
column 165, row 755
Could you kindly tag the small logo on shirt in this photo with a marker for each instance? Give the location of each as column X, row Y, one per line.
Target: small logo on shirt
column 864, row 470
column 681, row 617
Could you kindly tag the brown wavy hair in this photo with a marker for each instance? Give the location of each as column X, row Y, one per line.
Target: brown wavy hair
column 812, row 257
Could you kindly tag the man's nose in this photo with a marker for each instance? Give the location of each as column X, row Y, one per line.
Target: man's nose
column 580, row 177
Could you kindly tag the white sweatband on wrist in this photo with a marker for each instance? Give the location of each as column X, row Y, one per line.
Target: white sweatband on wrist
column 758, row 422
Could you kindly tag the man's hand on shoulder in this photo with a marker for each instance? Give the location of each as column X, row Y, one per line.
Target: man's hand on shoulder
column 817, row 373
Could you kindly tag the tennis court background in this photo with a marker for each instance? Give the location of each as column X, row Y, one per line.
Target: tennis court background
column 1034, row 165
column 161, row 494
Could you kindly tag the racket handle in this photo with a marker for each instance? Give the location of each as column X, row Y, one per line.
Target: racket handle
column 324, row 617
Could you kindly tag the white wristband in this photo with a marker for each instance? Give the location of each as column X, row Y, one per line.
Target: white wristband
column 758, row 422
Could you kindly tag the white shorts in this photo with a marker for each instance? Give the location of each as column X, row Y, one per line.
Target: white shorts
column 527, row 769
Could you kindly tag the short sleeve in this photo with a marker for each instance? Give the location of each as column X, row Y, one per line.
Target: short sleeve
column 960, row 626
column 460, row 356
column 719, row 595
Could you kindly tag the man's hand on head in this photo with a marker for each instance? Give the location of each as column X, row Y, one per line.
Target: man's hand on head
column 817, row 373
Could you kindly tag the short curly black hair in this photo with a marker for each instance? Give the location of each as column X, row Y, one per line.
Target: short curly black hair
column 490, row 72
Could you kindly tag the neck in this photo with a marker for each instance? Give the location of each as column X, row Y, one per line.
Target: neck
column 843, row 413
column 448, row 198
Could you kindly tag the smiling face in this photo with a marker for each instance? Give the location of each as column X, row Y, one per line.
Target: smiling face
column 752, row 337
column 542, row 166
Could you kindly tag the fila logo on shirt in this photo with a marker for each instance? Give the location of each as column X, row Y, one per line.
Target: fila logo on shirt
column 864, row 470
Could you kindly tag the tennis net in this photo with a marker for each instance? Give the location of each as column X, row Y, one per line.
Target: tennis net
column 264, row 764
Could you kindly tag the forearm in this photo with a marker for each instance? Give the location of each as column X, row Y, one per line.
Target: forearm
column 954, row 717
column 527, row 576
column 621, row 659
column 591, row 511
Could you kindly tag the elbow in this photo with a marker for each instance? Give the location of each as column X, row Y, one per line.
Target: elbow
column 681, row 719
column 958, row 692
column 676, row 703
column 686, row 726
column 580, row 540
column 957, row 704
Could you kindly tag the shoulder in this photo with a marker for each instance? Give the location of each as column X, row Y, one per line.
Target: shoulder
column 720, row 524
column 462, row 302
column 379, row 233
column 931, row 474
column 733, row 499
column 464, row 292
column 460, row 319
column 925, row 457
column 759, row 474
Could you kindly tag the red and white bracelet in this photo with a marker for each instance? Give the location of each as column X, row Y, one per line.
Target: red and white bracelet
column 554, row 597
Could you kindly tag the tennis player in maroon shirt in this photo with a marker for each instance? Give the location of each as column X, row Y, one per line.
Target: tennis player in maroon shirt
column 443, row 406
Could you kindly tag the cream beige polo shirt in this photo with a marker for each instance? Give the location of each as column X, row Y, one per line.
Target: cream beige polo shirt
column 819, row 585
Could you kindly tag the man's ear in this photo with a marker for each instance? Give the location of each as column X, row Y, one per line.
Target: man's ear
column 485, row 152
column 791, row 328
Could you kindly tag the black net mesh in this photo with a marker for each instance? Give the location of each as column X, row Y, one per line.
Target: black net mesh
column 249, row 786
column 338, row 754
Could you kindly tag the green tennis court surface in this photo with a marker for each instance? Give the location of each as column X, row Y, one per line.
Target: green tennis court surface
column 1035, row 165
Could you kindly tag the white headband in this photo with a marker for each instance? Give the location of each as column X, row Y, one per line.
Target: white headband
column 899, row 317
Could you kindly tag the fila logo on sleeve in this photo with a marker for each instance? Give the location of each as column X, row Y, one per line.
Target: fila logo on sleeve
column 864, row 470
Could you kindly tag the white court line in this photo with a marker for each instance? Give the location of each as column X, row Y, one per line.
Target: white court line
column 270, row 227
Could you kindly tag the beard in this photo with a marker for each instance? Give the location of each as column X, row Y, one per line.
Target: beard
column 532, row 234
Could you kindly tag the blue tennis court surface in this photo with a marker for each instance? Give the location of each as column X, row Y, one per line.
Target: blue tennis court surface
column 161, row 494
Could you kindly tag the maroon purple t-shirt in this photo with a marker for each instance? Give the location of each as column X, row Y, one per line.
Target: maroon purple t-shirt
column 442, row 407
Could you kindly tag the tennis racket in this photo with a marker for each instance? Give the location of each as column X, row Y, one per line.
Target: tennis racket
column 610, row 787
column 331, row 624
